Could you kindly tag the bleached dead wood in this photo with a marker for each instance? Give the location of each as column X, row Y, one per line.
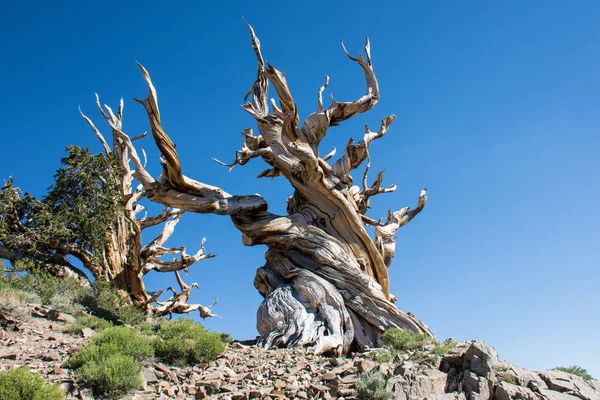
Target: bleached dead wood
column 325, row 282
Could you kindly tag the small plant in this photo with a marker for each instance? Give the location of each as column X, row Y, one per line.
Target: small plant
column 33, row 279
column 442, row 348
column 185, row 341
column 14, row 301
column 66, row 303
column 226, row 338
column 383, row 355
column 510, row 378
column 88, row 321
column 114, row 374
column 21, row 384
column 575, row 370
column 110, row 362
column 371, row 386
column 403, row 339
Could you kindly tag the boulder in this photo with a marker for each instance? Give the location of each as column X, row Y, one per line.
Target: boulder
column 480, row 359
column 563, row 382
column 508, row 391
column 552, row 395
column 526, row 377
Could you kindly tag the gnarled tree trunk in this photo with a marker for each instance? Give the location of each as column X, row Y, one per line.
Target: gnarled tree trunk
column 325, row 282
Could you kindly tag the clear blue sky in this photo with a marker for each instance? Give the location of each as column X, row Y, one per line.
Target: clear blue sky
column 499, row 115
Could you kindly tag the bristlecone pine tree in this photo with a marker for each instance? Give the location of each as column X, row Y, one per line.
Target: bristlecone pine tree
column 91, row 214
column 325, row 281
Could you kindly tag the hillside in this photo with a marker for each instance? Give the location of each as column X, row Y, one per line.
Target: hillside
column 468, row 370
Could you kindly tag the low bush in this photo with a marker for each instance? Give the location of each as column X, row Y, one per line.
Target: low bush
column 14, row 301
column 21, row 384
column 575, row 370
column 33, row 279
column 185, row 341
column 110, row 362
column 403, row 339
column 226, row 338
column 442, row 348
column 66, row 303
column 510, row 378
column 114, row 374
column 6, row 290
column 371, row 386
column 88, row 321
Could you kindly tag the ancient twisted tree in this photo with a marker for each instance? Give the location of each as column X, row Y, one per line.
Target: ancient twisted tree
column 92, row 219
column 325, row 281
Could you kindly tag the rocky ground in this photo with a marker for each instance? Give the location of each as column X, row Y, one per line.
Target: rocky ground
column 470, row 370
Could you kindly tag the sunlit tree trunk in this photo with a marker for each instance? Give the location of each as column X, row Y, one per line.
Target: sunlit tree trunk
column 325, row 281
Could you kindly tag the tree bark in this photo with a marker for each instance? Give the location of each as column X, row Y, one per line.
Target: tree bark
column 125, row 259
column 325, row 281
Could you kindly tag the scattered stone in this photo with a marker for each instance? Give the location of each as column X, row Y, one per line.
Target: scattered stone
column 58, row 370
column 87, row 332
column 54, row 315
column 279, row 384
column 366, row 366
column 150, row 375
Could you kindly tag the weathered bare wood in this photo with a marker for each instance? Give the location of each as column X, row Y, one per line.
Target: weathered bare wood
column 325, row 282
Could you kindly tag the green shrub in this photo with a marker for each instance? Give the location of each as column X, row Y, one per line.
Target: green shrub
column 185, row 341
column 66, row 303
column 442, row 348
column 226, row 338
column 88, row 321
column 112, row 374
column 14, row 302
column 510, row 378
column 575, row 370
column 403, row 340
column 33, row 279
column 7, row 290
column 110, row 362
column 21, row 384
column 119, row 339
column 371, row 386
column 208, row 347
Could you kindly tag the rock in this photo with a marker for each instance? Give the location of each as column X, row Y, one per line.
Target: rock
column 455, row 356
column 447, row 396
column 480, row 359
column 429, row 383
column 552, row 395
column 508, row 391
column 328, row 376
column 88, row 332
column 279, row 384
column 51, row 356
column 366, row 366
column 570, row 384
column 201, row 394
column 149, row 375
column 525, row 377
column 161, row 368
column 58, row 370
column 54, row 315
column 86, row 394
